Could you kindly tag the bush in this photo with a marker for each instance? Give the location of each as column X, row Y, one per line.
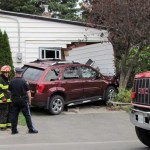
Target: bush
column 5, row 52
column 123, row 96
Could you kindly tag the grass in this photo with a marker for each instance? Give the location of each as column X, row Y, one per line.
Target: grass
column 126, row 108
column 114, row 107
column 21, row 120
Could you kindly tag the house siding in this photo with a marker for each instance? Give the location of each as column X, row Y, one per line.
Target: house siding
column 36, row 33
column 101, row 54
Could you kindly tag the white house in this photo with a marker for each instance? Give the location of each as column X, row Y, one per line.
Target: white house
column 34, row 37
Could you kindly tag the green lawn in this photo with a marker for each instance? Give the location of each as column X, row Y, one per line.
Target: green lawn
column 21, row 120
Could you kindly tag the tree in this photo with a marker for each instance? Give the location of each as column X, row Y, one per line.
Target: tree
column 1, row 49
column 6, row 48
column 128, row 26
column 63, row 9
column 6, row 56
column 142, row 65
column 86, row 8
column 23, row 6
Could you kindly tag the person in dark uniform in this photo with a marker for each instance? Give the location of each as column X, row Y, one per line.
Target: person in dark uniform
column 21, row 99
column 5, row 101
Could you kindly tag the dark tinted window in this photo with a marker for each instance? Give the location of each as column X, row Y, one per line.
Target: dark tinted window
column 52, row 75
column 32, row 74
column 88, row 72
column 71, row 73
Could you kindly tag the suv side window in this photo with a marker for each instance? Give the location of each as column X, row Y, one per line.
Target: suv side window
column 71, row 73
column 32, row 74
column 88, row 72
column 52, row 75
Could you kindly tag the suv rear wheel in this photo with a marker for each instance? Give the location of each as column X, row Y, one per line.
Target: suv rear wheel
column 56, row 105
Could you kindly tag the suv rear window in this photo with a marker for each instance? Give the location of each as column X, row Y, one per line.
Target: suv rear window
column 52, row 75
column 32, row 74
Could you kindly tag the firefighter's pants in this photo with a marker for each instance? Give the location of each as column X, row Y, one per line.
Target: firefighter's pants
column 5, row 115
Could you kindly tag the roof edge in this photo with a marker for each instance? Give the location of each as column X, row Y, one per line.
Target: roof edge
column 3, row 12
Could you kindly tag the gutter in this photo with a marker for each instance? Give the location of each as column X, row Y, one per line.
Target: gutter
column 19, row 54
column 18, row 26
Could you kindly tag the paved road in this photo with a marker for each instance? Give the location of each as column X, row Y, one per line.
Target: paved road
column 85, row 130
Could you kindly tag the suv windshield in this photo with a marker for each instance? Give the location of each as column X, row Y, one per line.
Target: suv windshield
column 32, row 74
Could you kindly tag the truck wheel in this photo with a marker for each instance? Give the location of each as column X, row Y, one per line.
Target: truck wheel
column 110, row 91
column 143, row 135
column 56, row 105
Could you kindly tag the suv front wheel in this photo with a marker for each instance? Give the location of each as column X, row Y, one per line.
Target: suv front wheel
column 110, row 92
column 56, row 105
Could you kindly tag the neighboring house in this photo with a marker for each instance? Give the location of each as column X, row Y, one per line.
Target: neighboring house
column 34, row 37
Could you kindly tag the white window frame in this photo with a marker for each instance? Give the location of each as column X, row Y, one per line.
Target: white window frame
column 54, row 49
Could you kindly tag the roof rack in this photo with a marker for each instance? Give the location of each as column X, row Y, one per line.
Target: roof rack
column 62, row 63
column 44, row 60
column 56, row 61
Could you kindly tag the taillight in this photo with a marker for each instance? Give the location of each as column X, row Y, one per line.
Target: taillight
column 39, row 88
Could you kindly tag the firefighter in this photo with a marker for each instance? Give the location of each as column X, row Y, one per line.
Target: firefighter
column 5, row 101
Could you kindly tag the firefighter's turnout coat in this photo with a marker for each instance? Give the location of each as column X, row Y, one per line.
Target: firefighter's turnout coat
column 5, row 103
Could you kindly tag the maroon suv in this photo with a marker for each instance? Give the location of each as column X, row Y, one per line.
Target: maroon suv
column 56, row 83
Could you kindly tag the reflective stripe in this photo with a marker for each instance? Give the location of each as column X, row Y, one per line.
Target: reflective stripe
column 3, row 125
column 8, row 101
column 1, row 85
column 1, row 95
column 8, row 124
column 4, row 87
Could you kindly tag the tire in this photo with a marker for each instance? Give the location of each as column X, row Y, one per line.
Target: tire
column 110, row 91
column 143, row 135
column 56, row 105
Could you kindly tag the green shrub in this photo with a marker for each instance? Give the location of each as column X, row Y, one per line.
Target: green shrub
column 5, row 52
column 123, row 96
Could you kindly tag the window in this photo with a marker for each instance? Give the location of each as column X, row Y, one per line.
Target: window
column 52, row 75
column 50, row 53
column 32, row 74
column 88, row 72
column 71, row 73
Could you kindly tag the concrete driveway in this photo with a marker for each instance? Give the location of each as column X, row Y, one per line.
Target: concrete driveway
column 88, row 129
